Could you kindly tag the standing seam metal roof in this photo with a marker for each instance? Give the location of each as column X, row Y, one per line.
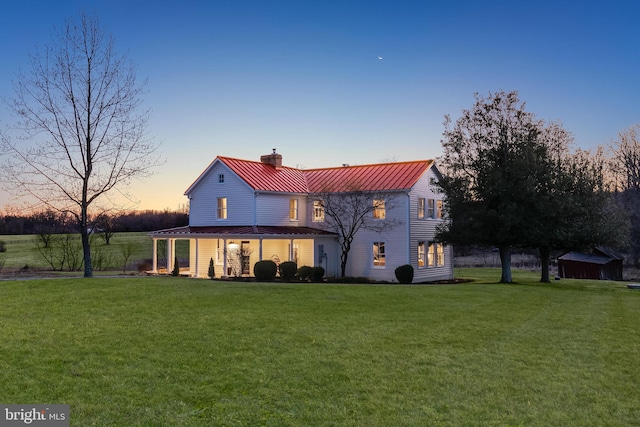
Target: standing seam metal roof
column 374, row 177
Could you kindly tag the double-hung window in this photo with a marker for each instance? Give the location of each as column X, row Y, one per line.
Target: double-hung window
column 222, row 208
column 438, row 209
column 435, row 257
column 379, row 256
column 421, row 254
column 379, row 211
column 421, row 207
column 431, row 208
column 293, row 209
column 318, row 211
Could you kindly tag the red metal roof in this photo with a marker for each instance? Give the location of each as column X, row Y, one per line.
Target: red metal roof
column 375, row 177
column 265, row 177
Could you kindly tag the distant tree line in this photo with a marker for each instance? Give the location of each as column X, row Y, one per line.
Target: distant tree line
column 52, row 222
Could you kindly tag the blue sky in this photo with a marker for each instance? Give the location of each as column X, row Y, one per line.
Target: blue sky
column 238, row 78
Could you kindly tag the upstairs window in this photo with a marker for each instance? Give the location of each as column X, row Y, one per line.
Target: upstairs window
column 318, row 211
column 421, row 208
column 221, row 178
column 379, row 211
column 434, row 209
column 222, row 208
column 293, row 209
column 379, row 256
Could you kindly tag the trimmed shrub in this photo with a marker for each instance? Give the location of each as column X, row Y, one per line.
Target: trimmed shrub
column 318, row 274
column 144, row 266
column 265, row 271
column 404, row 274
column 176, row 268
column 305, row 273
column 212, row 270
column 288, row 270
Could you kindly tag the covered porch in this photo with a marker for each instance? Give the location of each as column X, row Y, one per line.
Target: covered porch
column 235, row 249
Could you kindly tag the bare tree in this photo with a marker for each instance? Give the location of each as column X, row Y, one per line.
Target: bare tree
column 81, row 129
column 353, row 209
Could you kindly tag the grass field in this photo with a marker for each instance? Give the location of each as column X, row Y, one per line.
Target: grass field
column 168, row 351
column 22, row 251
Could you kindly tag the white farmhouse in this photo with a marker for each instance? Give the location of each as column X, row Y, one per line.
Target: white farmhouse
column 244, row 211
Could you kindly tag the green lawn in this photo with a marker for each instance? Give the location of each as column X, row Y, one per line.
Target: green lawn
column 170, row 351
column 22, row 251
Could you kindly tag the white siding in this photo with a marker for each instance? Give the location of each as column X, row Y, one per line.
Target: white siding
column 360, row 262
column 203, row 199
column 424, row 230
column 273, row 209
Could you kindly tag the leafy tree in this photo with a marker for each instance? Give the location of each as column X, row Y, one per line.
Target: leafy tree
column 81, row 132
column 513, row 181
column 351, row 210
column 625, row 167
column 574, row 209
column 491, row 169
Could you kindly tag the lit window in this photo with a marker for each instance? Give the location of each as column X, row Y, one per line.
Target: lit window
column 221, row 178
column 222, row 208
column 421, row 208
column 438, row 208
column 435, row 256
column 379, row 209
column 421, row 254
column 440, row 255
column 379, row 259
column 431, row 255
column 318, row 211
column 431, row 209
column 293, row 209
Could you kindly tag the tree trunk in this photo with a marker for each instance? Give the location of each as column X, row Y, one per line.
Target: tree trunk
column 343, row 262
column 505, row 261
column 344, row 256
column 86, row 247
column 545, row 256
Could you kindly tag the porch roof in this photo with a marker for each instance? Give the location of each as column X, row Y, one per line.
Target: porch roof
column 242, row 231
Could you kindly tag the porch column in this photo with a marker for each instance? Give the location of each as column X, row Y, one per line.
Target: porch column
column 155, row 256
column 195, row 274
column 290, row 249
column 224, row 258
column 169, row 256
column 260, row 249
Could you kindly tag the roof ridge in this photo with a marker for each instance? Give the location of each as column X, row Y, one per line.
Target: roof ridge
column 372, row 164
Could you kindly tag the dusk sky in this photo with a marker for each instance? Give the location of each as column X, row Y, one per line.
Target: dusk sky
column 239, row 78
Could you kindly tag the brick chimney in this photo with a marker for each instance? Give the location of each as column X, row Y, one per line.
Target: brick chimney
column 273, row 159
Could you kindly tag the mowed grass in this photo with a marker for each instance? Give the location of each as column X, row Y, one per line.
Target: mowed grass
column 22, row 250
column 170, row 351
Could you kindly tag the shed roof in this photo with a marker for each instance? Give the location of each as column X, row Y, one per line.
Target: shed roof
column 586, row 258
